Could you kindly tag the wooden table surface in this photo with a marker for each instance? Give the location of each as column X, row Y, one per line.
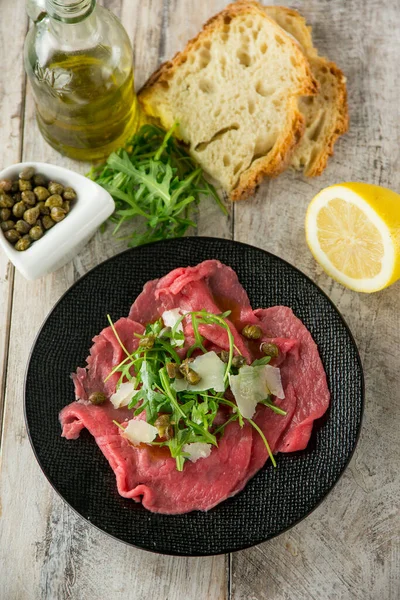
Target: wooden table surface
column 349, row 547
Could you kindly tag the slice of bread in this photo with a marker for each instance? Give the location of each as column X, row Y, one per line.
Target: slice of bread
column 234, row 90
column 326, row 114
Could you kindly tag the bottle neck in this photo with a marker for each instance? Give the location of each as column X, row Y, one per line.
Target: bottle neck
column 70, row 11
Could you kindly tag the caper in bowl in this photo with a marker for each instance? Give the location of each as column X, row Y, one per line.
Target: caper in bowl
column 37, row 244
column 22, row 208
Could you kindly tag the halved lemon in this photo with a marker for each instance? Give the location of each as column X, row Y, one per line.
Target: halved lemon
column 353, row 231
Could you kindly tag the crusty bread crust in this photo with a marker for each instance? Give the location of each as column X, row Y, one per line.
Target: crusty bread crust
column 279, row 157
column 302, row 33
column 338, row 109
column 339, row 126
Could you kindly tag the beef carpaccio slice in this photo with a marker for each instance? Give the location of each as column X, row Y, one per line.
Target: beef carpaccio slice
column 105, row 354
column 149, row 474
column 303, row 369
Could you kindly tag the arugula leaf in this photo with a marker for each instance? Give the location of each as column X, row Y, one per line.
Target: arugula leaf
column 199, row 412
column 175, row 447
column 264, row 439
column 221, row 428
column 268, row 402
column 261, row 361
column 155, row 183
column 151, row 398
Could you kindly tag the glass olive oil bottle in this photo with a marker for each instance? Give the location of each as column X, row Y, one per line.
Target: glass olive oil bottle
column 80, row 64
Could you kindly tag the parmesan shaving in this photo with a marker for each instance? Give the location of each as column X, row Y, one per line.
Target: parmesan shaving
column 197, row 450
column 170, row 319
column 254, row 384
column 124, row 394
column 211, row 370
column 139, row 432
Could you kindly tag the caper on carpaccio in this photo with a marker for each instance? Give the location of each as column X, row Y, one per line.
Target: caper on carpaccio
column 30, row 206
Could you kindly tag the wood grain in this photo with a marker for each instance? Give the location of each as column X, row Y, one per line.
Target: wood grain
column 12, row 90
column 349, row 547
column 61, row 556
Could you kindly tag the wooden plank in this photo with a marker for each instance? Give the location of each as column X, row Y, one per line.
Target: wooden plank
column 59, row 555
column 12, row 90
column 6, row 288
column 349, row 547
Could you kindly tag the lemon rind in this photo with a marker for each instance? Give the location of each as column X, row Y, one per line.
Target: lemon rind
column 372, row 284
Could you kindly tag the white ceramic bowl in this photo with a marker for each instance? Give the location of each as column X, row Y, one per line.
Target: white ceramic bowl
column 63, row 241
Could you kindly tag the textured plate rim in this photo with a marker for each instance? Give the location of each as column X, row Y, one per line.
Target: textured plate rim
column 227, row 550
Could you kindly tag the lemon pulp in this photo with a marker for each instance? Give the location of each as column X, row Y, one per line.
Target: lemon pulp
column 351, row 242
column 353, row 231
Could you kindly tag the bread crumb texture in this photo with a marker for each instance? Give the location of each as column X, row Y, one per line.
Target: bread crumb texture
column 235, row 90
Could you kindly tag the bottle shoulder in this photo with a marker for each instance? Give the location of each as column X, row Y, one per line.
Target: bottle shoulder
column 48, row 37
column 111, row 29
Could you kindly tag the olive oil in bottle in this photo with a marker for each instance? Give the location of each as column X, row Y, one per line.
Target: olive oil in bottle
column 79, row 61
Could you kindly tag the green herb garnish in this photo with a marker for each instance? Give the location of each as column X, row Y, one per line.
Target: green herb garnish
column 190, row 414
column 261, row 361
column 264, row 439
column 154, row 182
column 279, row 411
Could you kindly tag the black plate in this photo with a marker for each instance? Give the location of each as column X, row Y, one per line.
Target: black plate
column 274, row 499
